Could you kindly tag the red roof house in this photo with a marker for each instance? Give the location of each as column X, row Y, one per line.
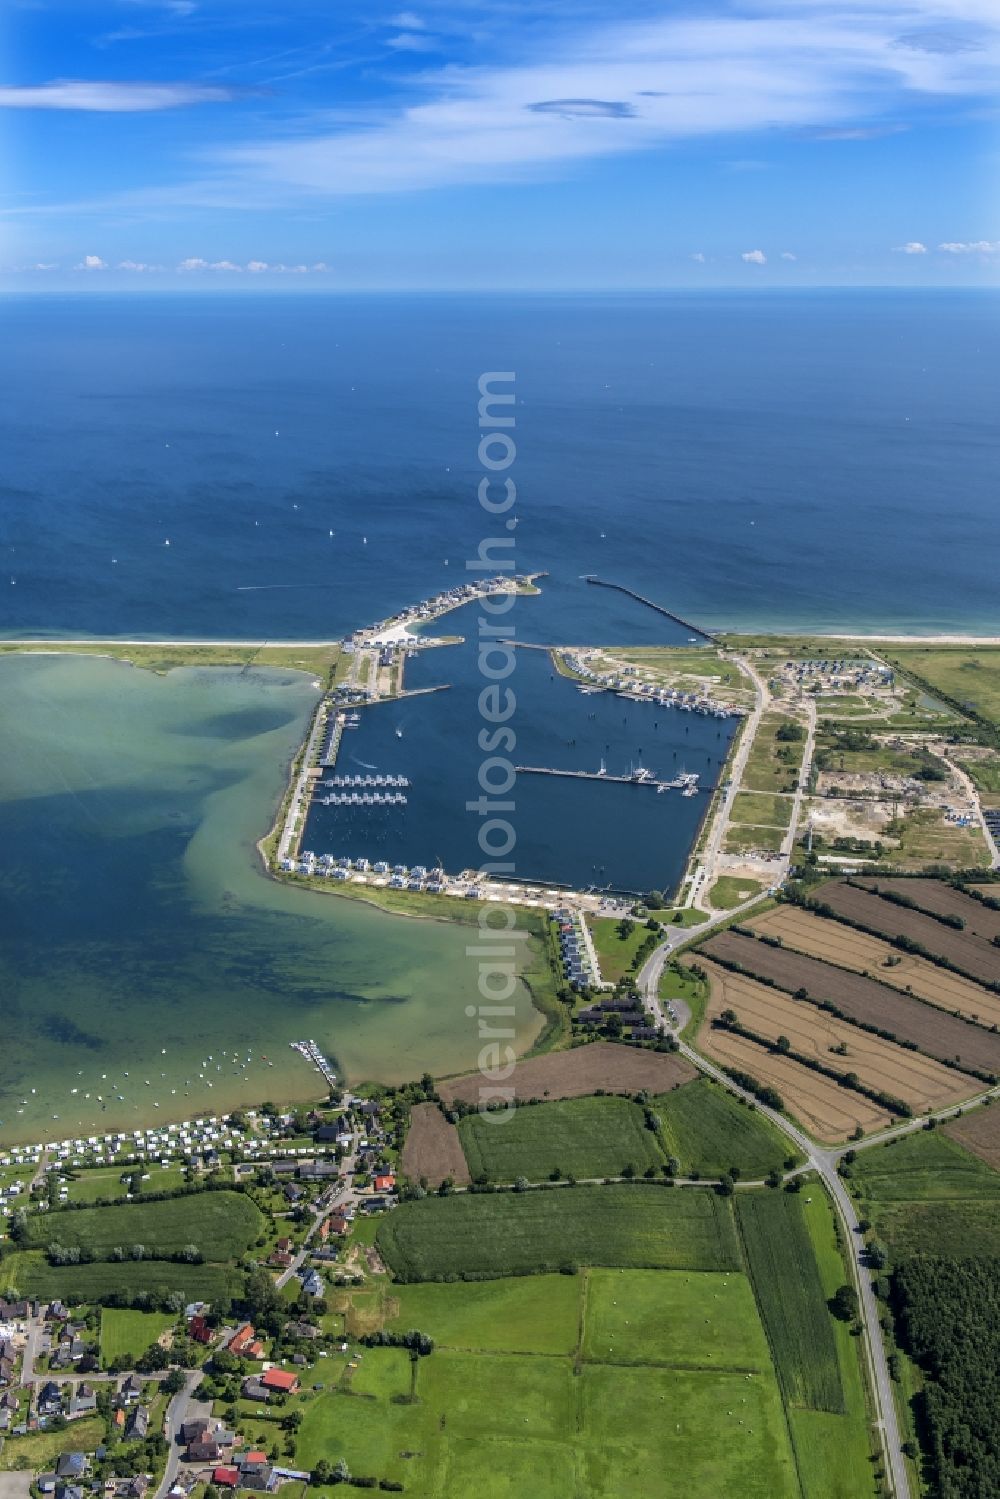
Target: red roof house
column 200, row 1330
column 242, row 1340
column 280, row 1379
column 385, row 1183
column 226, row 1478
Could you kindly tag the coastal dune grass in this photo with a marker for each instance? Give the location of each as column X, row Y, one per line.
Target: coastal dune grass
column 522, row 1233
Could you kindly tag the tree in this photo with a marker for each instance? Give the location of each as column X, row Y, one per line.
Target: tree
column 844, row 1303
column 726, row 1186
column 877, row 1255
column 292, row 1421
column 521, row 1184
column 783, row 1044
column 625, row 928
column 174, row 1382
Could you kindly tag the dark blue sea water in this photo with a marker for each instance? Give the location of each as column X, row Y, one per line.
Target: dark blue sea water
column 827, row 459
column 568, row 831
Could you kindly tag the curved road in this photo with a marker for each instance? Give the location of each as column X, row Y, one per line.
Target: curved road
column 824, row 1162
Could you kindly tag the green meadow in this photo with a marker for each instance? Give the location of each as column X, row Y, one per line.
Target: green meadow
column 517, row 1233
column 581, row 1137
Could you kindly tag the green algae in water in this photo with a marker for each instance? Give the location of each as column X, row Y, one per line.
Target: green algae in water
column 140, row 934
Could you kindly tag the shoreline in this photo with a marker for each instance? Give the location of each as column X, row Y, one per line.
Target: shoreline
column 41, row 644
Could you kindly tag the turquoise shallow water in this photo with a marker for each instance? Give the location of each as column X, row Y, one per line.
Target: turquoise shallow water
column 140, row 933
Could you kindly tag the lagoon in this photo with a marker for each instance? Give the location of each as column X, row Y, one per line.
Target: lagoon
column 141, row 934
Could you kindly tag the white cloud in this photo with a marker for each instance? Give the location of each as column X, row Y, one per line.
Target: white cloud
column 224, row 265
column 972, row 247
column 407, row 20
column 787, row 255
column 91, row 263
column 104, row 97
column 754, row 257
column 699, row 257
column 43, row 265
column 769, row 65
column 137, row 266
column 256, row 266
column 411, row 41
column 912, row 247
column 194, row 263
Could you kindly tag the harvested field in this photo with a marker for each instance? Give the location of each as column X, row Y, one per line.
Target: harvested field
column 980, row 1133
column 932, row 1031
column 846, row 947
column 944, row 900
column 973, row 955
column 584, row 1069
column 433, row 1149
column 827, row 1110
column 916, row 1079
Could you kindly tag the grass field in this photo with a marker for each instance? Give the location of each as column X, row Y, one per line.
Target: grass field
column 320, row 661
column 32, row 1275
column 682, row 1319
column 40, row 1450
column 790, row 1295
column 773, row 765
column 923, row 1167
column 221, row 1224
column 581, row 1137
column 106, row 1181
column 969, row 675
column 744, row 839
column 615, row 954
column 927, row 1195
column 729, row 891
column 762, row 809
column 129, row 1333
column 710, row 1131
column 955, row 1227
column 700, row 1401
column 529, row 1314
column 382, row 1372
column 509, row 1233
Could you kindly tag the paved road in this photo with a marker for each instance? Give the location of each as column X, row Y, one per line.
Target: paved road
column 183, row 1407
column 824, row 1162
column 713, row 846
column 341, row 1195
column 801, row 786
column 965, row 780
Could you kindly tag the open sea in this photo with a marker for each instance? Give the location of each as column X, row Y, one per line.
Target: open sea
column 817, row 460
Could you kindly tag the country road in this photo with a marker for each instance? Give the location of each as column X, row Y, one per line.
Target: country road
column 824, row 1162
column 181, row 1408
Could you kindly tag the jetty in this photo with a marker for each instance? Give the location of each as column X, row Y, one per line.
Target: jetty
column 686, row 781
column 312, row 1053
column 640, row 599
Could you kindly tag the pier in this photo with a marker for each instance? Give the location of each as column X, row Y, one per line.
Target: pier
column 312, row 1053
column 686, row 781
column 677, row 618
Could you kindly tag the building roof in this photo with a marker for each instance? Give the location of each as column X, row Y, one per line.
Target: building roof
column 279, row 1379
column 228, row 1477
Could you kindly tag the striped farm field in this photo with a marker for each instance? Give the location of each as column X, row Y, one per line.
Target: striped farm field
column 974, row 956
column 944, row 900
column 827, row 1110
column 916, row 1079
column 846, row 947
column 864, row 1000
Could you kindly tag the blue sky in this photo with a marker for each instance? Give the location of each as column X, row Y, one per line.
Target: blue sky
column 481, row 143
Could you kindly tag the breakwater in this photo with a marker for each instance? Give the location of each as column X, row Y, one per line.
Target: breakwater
column 640, row 599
